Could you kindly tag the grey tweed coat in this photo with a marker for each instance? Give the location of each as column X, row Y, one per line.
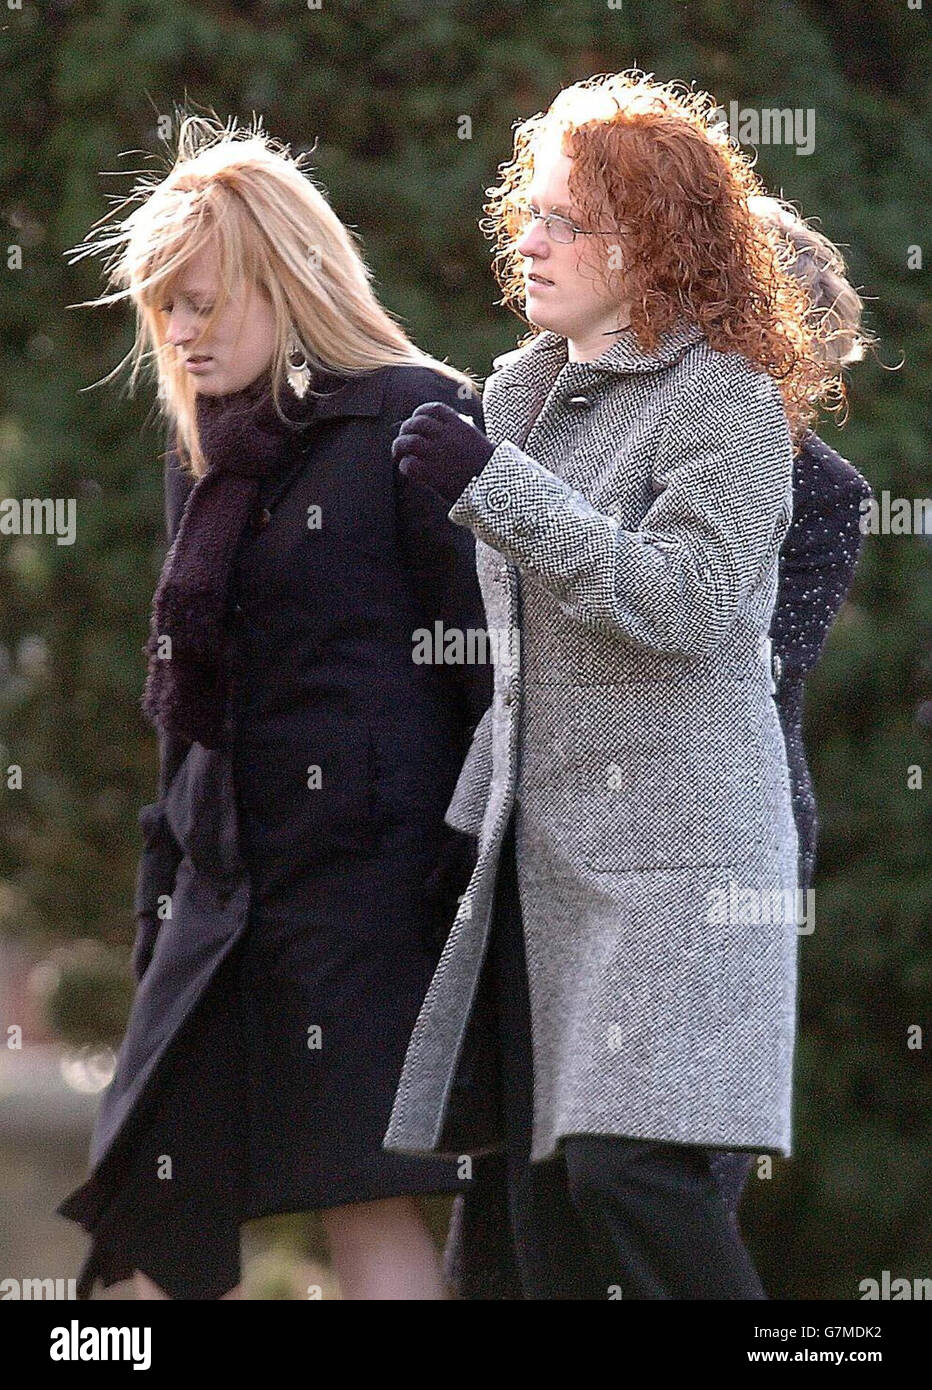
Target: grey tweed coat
column 628, row 565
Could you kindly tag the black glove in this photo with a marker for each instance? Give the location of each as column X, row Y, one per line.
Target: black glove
column 438, row 447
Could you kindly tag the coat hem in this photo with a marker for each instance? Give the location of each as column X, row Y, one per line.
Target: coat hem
column 469, row 1151
column 540, row 1153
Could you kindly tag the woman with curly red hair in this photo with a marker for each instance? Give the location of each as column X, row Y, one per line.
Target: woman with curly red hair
column 635, row 888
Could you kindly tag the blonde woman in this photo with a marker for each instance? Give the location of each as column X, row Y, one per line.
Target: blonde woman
column 294, row 889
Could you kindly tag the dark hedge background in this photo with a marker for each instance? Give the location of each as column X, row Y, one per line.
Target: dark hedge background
column 381, row 87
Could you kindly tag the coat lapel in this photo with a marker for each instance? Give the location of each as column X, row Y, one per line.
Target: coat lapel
column 527, row 396
column 531, row 383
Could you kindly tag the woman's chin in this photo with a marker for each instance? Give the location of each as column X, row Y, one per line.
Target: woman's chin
column 538, row 316
column 217, row 384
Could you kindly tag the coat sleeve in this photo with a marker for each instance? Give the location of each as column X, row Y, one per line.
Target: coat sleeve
column 673, row 585
column 161, row 854
column 819, row 555
column 441, row 557
column 177, row 488
column 441, row 560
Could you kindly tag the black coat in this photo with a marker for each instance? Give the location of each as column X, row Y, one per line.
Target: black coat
column 348, row 890
column 818, row 559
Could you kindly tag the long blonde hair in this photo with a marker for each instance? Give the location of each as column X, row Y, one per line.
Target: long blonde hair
column 273, row 228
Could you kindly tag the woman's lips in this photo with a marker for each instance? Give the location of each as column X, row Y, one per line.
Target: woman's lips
column 536, row 282
column 197, row 364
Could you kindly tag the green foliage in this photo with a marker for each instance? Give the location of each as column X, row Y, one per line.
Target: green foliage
column 85, row 994
column 382, row 87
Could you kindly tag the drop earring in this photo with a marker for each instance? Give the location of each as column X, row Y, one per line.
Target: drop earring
column 298, row 368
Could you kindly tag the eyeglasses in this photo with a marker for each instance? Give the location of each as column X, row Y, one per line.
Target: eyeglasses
column 559, row 229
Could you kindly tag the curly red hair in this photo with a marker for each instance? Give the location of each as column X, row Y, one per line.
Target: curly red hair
column 649, row 161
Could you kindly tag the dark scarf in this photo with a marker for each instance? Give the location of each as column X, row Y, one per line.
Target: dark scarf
column 243, row 441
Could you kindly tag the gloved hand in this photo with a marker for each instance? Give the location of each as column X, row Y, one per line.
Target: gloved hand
column 436, row 446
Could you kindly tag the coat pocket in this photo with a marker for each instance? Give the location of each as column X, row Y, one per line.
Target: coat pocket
column 310, row 793
column 705, row 801
column 200, row 809
column 635, row 779
column 466, row 810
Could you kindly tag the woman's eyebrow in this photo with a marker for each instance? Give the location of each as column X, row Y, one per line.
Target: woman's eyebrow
column 554, row 207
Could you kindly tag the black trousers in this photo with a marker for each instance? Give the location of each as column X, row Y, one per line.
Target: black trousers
column 609, row 1216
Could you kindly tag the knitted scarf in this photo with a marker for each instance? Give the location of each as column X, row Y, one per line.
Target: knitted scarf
column 244, row 441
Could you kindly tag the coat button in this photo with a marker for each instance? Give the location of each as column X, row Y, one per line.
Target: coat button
column 579, row 402
column 497, row 499
column 263, row 518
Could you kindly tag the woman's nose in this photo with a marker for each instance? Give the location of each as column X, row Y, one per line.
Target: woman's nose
column 179, row 330
column 183, row 327
column 534, row 242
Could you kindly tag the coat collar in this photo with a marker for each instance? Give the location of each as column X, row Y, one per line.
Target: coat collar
column 357, row 394
column 623, row 355
column 346, row 396
column 521, row 392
